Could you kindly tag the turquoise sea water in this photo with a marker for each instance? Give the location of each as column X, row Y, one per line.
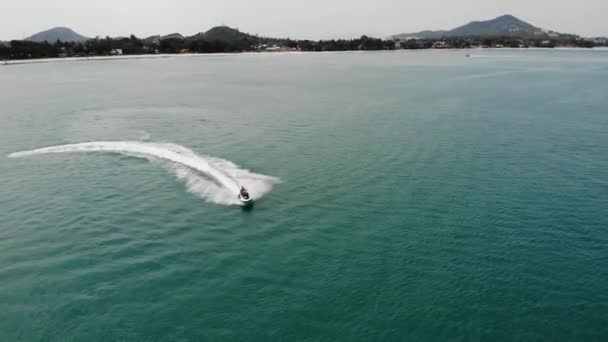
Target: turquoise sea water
column 402, row 196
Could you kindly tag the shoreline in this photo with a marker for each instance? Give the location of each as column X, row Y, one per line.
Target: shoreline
column 129, row 57
column 162, row 56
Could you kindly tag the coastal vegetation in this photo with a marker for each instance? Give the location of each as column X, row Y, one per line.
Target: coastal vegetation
column 223, row 39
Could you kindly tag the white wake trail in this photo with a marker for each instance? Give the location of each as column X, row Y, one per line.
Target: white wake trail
column 213, row 179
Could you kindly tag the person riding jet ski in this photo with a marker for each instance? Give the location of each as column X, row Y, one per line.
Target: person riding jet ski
column 244, row 194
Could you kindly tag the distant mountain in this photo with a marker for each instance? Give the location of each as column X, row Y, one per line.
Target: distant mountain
column 427, row 34
column 506, row 25
column 58, row 33
column 226, row 33
column 152, row 39
column 172, row 36
column 218, row 33
column 223, row 33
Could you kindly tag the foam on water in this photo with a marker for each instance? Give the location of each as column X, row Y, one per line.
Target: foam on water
column 213, row 179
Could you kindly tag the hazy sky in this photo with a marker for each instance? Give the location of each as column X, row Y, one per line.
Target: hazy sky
column 313, row 19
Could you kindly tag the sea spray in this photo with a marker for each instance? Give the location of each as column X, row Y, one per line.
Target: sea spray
column 213, row 179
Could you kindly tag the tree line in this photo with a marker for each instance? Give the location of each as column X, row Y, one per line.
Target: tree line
column 18, row 49
column 132, row 45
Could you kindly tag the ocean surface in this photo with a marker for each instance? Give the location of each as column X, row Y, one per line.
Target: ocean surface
column 400, row 196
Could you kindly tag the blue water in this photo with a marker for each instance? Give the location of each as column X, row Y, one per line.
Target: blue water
column 401, row 196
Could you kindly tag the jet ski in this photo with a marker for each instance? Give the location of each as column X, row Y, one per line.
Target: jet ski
column 245, row 197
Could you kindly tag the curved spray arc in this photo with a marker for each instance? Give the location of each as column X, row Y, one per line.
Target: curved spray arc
column 222, row 172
